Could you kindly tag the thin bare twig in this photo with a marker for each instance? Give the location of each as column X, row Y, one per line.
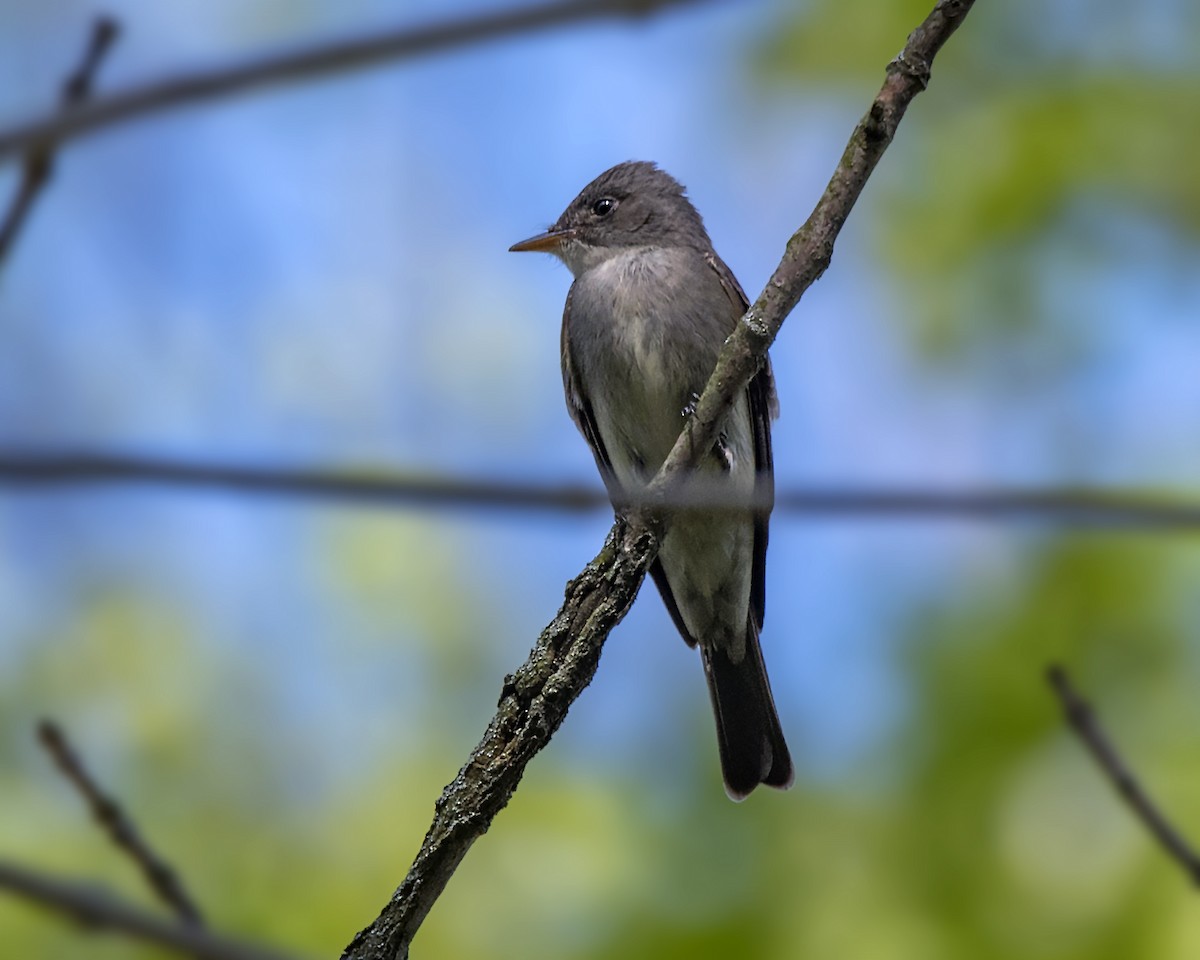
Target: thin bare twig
column 1106, row 509
column 534, row 700
column 162, row 879
column 99, row 910
column 314, row 61
column 39, row 160
column 1083, row 721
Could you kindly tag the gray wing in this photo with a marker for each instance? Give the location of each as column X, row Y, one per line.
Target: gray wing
column 581, row 410
column 764, row 406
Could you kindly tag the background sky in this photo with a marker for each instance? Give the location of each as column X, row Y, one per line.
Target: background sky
column 316, row 276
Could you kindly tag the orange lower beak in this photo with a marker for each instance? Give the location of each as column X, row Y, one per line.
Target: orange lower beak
column 549, row 242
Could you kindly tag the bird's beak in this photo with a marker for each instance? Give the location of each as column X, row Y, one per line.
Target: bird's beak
column 549, row 242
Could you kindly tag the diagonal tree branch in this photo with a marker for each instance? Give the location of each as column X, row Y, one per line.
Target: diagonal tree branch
column 109, row 814
column 533, row 703
column 357, row 53
column 810, row 249
column 99, row 910
column 1083, row 721
column 536, row 698
column 39, row 160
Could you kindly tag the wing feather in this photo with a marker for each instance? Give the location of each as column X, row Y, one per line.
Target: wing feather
column 581, row 412
column 764, row 406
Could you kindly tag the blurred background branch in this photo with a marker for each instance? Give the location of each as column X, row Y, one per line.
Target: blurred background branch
column 39, row 156
column 312, row 62
column 1092, row 508
column 98, row 910
column 120, row 828
column 1084, row 723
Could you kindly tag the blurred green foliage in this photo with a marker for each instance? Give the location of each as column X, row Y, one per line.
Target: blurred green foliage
column 979, row 829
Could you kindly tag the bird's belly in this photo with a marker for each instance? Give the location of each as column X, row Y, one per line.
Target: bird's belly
column 708, row 562
column 640, row 375
column 708, row 555
column 647, row 389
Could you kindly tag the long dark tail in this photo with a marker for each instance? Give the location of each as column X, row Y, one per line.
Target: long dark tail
column 749, row 736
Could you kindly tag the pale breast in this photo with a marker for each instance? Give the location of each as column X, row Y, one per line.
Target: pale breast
column 645, row 332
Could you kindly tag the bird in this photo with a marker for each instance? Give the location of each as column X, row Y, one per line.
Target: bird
column 646, row 316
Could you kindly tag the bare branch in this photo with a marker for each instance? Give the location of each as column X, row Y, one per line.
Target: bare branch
column 533, row 703
column 810, row 249
column 162, row 879
column 1083, row 721
column 99, row 910
column 535, row 700
column 309, row 62
column 1102, row 509
column 39, row 159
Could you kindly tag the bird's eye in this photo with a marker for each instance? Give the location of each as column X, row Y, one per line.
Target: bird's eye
column 604, row 206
